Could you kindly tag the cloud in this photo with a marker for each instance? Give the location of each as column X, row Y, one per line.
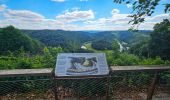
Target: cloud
column 22, row 14
column 121, row 17
column 25, row 19
column 115, row 11
column 129, row 5
column 83, row 0
column 58, row 0
column 2, row 7
column 120, row 21
column 76, row 15
column 158, row 18
column 116, row 18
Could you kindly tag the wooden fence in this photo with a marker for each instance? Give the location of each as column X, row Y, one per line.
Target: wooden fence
column 113, row 69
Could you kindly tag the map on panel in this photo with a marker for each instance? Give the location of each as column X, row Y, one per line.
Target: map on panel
column 81, row 64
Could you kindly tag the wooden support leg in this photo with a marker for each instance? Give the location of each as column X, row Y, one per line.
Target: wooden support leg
column 152, row 86
column 55, row 89
column 108, row 88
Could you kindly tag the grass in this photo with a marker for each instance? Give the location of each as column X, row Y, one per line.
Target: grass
column 89, row 47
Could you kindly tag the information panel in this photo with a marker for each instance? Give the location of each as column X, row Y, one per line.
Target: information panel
column 81, row 64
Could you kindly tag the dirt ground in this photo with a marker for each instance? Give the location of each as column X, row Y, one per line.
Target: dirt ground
column 117, row 94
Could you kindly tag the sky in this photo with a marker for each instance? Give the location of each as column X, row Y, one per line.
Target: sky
column 73, row 15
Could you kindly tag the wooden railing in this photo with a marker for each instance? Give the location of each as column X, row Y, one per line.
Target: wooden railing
column 25, row 72
column 48, row 71
column 113, row 69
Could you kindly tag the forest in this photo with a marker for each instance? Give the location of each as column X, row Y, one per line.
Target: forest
column 23, row 49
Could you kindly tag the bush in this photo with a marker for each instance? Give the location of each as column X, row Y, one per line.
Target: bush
column 152, row 61
column 7, row 63
column 126, row 59
column 24, row 64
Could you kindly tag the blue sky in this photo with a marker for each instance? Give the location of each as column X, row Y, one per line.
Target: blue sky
column 72, row 14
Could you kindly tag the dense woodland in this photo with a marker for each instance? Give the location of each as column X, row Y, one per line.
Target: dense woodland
column 39, row 48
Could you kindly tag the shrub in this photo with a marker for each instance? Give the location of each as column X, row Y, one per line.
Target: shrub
column 126, row 59
column 24, row 64
column 152, row 61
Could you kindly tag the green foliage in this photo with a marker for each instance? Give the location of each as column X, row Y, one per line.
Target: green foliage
column 115, row 46
column 160, row 40
column 101, row 45
column 140, row 48
column 48, row 58
column 109, row 57
column 12, row 39
column 84, row 51
column 25, row 61
column 7, row 63
column 125, row 59
column 152, row 61
column 70, row 41
column 23, row 56
column 157, row 45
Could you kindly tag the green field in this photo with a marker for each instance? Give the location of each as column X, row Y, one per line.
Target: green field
column 89, row 47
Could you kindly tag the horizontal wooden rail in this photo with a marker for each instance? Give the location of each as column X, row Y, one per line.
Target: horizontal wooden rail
column 25, row 72
column 48, row 71
column 151, row 68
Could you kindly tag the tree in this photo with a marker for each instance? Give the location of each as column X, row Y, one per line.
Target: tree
column 48, row 59
column 12, row 39
column 115, row 46
column 140, row 49
column 142, row 8
column 102, row 45
column 160, row 40
column 116, row 49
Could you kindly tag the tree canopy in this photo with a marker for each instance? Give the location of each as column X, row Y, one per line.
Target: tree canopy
column 12, row 39
column 160, row 40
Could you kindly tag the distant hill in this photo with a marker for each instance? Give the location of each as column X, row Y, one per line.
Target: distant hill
column 72, row 40
column 12, row 39
column 105, row 35
column 130, row 36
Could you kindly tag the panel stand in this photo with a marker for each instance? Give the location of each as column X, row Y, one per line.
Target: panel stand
column 152, row 86
column 107, row 85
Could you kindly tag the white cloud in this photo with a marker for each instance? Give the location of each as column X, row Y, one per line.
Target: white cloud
column 121, row 17
column 58, row 0
column 76, row 15
column 2, row 7
column 158, row 18
column 83, row 0
column 115, row 11
column 25, row 19
column 22, row 14
column 34, row 24
column 129, row 5
column 120, row 22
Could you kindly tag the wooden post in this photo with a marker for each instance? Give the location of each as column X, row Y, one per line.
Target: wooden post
column 55, row 85
column 108, row 87
column 152, row 87
column 55, row 89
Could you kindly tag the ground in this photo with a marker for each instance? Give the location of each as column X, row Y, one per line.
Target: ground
column 118, row 94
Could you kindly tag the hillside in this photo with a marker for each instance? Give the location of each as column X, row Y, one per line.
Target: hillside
column 12, row 39
column 70, row 40
column 73, row 40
